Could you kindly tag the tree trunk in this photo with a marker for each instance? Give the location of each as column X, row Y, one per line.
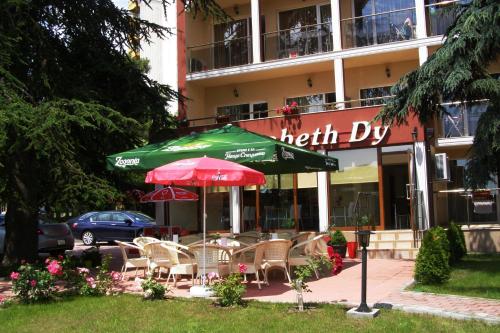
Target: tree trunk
column 21, row 220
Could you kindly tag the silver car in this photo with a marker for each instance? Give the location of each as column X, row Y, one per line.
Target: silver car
column 52, row 237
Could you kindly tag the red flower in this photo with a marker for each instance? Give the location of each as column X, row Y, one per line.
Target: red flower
column 14, row 275
column 242, row 267
column 33, row 283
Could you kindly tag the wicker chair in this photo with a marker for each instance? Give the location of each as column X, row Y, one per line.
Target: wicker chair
column 254, row 266
column 217, row 259
column 141, row 241
column 303, row 236
column 190, row 239
column 276, row 255
column 247, row 239
column 178, row 266
column 303, row 252
column 136, row 263
column 158, row 257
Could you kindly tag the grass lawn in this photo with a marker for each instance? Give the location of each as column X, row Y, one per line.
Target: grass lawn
column 129, row 313
column 476, row 275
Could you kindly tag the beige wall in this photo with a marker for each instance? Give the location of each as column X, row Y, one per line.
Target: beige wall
column 205, row 100
column 482, row 239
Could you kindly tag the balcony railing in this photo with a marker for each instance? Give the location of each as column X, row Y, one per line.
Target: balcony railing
column 227, row 53
column 461, row 119
column 387, row 27
column 299, row 41
column 238, row 116
column 440, row 16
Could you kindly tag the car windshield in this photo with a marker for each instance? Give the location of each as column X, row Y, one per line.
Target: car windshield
column 143, row 217
column 42, row 219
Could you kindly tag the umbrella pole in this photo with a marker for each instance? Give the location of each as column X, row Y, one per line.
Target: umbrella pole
column 204, row 232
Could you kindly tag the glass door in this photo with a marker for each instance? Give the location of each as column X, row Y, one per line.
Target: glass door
column 232, row 43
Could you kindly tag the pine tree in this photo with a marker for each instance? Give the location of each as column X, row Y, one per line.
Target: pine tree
column 69, row 96
column 458, row 71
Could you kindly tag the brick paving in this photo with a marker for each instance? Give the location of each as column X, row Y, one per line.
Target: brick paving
column 386, row 281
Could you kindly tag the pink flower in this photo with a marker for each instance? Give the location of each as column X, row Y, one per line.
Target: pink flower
column 55, row 268
column 243, row 268
column 33, row 283
column 14, row 275
column 82, row 270
column 60, row 257
column 115, row 276
column 47, row 261
column 294, row 104
column 91, row 282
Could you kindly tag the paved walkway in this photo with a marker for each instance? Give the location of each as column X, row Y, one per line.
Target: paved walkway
column 386, row 280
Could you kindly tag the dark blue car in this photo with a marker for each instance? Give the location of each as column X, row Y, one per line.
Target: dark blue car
column 109, row 226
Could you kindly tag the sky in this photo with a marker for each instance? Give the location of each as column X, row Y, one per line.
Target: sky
column 121, row 3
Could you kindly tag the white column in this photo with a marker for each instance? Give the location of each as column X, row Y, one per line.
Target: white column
column 159, row 209
column 336, row 30
column 234, row 208
column 255, row 31
column 323, row 199
column 423, row 54
column 421, row 28
column 422, row 181
column 338, row 71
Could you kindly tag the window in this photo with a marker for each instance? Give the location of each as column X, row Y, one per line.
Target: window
column 314, row 103
column 120, row 217
column 101, row 217
column 354, row 188
column 276, row 203
column 374, row 96
column 242, row 111
column 305, row 31
column 232, row 43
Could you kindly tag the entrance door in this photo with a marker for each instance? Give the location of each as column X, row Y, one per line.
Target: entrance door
column 396, row 200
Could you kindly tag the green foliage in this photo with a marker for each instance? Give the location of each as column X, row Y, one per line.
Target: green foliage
column 458, row 71
column 90, row 258
column 33, row 283
column 337, row 238
column 230, row 290
column 153, row 289
column 456, row 242
column 432, row 265
column 302, row 275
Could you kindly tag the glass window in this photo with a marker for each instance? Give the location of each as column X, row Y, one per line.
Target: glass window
column 101, row 217
column 466, row 207
column 307, row 201
column 232, row 43
column 354, row 188
column 120, row 217
column 374, row 96
column 313, row 103
column 276, row 203
column 234, row 112
column 218, row 217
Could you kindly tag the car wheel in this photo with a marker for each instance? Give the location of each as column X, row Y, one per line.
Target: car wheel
column 88, row 238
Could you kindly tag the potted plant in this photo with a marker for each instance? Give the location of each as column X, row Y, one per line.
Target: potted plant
column 338, row 242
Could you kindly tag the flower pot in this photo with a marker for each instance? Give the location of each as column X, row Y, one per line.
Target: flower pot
column 351, row 248
column 340, row 249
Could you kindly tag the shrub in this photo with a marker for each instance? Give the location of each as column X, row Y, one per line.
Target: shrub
column 230, row 291
column 456, row 243
column 152, row 289
column 337, row 238
column 432, row 265
column 33, row 283
column 102, row 283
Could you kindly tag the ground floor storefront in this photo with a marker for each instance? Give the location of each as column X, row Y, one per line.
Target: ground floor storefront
column 388, row 178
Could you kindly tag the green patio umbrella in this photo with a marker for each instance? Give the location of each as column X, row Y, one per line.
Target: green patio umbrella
column 230, row 143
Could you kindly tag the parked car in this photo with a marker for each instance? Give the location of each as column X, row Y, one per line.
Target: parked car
column 108, row 226
column 53, row 237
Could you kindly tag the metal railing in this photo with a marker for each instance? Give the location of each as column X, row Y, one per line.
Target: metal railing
column 223, row 54
column 304, row 109
column 460, row 119
column 380, row 28
column 440, row 16
column 298, row 41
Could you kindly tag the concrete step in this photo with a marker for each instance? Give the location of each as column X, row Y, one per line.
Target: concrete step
column 409, row 254
column 390, row 244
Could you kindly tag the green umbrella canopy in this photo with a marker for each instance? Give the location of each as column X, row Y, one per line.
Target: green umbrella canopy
column 230, row 143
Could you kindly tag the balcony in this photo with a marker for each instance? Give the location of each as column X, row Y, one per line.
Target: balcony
column 380, row 28
column 439, row 17
column 223, row 54
column 460, row 120
column 298, row 41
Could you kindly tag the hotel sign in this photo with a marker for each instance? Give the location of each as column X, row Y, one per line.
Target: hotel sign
column 360, row 132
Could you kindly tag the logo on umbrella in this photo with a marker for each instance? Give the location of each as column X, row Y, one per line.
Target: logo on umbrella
column 287, row 155
column 122, row 163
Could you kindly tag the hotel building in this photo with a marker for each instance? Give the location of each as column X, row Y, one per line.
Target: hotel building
column 336, row 60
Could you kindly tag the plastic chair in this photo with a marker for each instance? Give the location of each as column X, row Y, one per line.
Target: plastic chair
column 253, row 267
column 136, row 263
column 215, row 259
column 302, row 253
column 158, row 257
column 176, row 265
column 276, row 255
